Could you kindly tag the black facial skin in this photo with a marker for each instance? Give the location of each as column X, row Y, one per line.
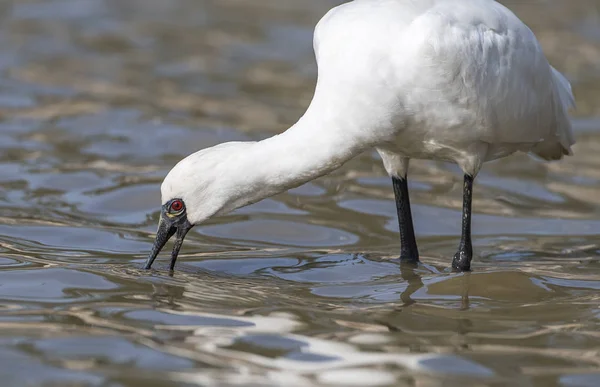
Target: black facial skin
column 172, row 222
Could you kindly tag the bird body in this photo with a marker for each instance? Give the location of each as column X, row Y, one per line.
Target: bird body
column 463, row 81
column 456, row 80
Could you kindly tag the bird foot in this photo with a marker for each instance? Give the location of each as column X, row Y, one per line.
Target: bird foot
column 407, row 256
column 462, row 261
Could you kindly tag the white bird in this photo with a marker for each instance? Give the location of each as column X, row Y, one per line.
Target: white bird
column 464, row 81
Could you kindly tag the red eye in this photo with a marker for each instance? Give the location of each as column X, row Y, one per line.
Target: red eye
column 176, row 206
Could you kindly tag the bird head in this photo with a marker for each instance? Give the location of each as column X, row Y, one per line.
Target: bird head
column 199, row 187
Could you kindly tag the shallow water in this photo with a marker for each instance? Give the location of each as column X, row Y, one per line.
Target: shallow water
column 99, row 98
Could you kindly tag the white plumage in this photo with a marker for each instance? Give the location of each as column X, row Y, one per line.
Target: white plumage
column 463, row 81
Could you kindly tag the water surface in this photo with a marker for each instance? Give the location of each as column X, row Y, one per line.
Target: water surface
column 99, row 99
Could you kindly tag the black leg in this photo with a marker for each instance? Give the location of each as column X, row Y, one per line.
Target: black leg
column 462, row 259
column 408, row 251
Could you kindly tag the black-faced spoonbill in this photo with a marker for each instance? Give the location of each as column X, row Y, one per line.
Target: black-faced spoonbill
column 463, row 81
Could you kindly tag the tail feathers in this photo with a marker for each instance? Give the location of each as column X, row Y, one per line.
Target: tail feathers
column 551, row 150
column 559, row 146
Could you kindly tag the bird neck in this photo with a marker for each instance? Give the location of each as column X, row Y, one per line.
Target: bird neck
column 316, row 145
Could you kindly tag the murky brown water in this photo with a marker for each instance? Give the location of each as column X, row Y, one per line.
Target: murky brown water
column 98, row 100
